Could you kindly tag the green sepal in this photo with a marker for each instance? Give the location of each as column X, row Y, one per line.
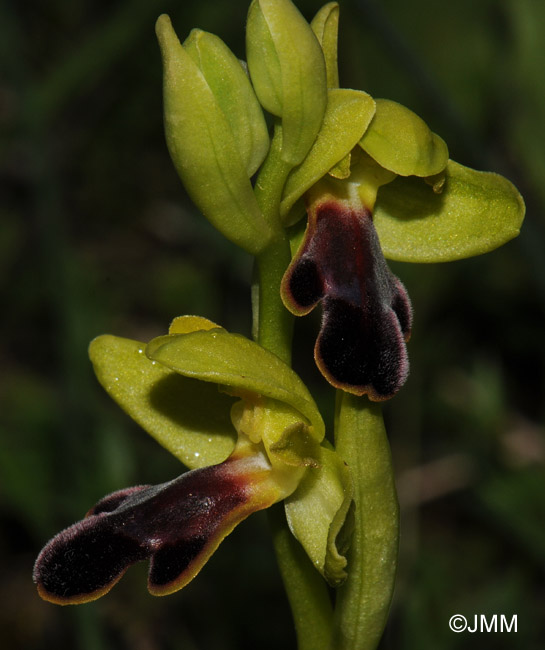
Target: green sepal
column 233, row 361
column 189, row 418
column 288, row 72
column 348, row 114
column 317, row 512
column 325, row 25
column 231, row 87
column 475, row 213
column 401, row 141
column 202, row 146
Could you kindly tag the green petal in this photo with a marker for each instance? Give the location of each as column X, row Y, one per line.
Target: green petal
column 189, row 418
column 325, row 25
column 288, row 71
column 347, row 116
column 233, row 91
column 317, row 511
column 342, row 169
column 232, row 360
column 401, row 141
column 475, row 213
column 204, row 150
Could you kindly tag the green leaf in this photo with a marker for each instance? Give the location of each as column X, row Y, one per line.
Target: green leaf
column 401, row 141
column 233, row 91
column 325, row 25
column 347, row 116
column 475, row 213
column 190, row 419
column 363, row 600
column 316, row 513
column 202, row 146
column 234, row 361
column 288, row 72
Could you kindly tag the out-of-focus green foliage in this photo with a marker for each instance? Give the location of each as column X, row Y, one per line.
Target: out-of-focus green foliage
column 97, row 236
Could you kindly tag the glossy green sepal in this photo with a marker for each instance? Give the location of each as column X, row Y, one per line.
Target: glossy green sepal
column 473, row 213
column 189, row 418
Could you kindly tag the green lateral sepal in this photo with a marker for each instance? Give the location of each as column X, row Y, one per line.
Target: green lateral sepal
column 474, row 213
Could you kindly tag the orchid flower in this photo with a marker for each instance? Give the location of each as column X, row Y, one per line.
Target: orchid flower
column 248, row 444
column 378, row 183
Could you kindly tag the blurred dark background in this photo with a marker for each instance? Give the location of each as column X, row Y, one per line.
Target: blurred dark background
column 97, row 235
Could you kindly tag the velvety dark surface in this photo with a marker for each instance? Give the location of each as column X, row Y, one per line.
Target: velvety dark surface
column 172, row 524
column 366, row 313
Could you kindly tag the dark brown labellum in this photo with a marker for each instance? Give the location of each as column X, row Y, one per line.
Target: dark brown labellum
column 177, row 525
column 366, row 311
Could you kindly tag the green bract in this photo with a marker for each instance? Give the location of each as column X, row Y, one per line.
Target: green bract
column 202, row 132
column 288, row 72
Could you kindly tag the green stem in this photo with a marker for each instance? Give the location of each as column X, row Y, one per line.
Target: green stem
column 273, row 324
column 273, row 329
column 271, row 180
column 363, row 601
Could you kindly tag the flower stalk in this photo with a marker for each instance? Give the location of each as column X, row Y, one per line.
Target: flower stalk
column 307, row 594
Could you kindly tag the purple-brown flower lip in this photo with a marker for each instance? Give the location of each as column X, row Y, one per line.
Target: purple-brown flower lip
column 366, row 311
column 177, row 525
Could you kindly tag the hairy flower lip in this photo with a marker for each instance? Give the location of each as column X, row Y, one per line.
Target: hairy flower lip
column 177, row 525
column 366, row 311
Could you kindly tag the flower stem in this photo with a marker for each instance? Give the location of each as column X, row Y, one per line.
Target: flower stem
column 271, row 180
column 273, row 323
column 273, row 329
column 363, row 601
